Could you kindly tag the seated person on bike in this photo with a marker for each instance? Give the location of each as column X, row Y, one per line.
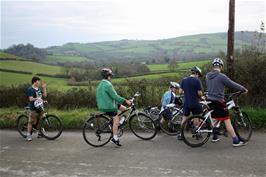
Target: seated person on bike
column 169, row 98
column 216, row 82
column 35, row 93
column 192, row 88
column 109, row 101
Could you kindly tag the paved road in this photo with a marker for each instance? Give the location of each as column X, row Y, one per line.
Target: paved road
column 163, row 156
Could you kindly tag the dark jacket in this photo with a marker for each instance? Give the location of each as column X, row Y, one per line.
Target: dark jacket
column 216, row 82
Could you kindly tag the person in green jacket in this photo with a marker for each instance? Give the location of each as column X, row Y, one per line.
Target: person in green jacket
column 110, row 102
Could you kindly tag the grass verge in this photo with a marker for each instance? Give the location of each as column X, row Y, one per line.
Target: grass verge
column 74, row 119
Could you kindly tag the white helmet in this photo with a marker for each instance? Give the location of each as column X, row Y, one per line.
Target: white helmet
column 217, row 62
column 174, row 85
column 38, row 103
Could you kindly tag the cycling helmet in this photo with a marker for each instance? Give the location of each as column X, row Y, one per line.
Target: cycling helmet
column 217, row 62
column 106, row 72
column 174, row 85
column 196, row 70
column 38, row 103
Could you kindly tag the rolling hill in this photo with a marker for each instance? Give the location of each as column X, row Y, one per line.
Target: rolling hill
column 181, row 48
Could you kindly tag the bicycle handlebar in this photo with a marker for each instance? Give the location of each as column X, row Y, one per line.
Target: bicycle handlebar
column 236, row 94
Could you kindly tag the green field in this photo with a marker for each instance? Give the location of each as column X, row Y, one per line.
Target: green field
column 148, row 77
column 31, row 67
column 53, row 59
column 181, row 65
column 10, row 56
column 9, row 79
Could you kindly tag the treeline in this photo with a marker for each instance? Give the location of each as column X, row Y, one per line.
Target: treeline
column 151, row 91
column 250, row 71
column 27, row 51
column 87, row 71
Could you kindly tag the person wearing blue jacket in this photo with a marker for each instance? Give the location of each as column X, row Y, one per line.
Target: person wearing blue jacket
column 169, row 98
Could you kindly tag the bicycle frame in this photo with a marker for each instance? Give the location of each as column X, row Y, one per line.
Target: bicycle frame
column 132, row 110
column 230, row 104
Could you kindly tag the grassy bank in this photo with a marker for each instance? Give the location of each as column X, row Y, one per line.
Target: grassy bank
column 74, row 119
column 71, row 118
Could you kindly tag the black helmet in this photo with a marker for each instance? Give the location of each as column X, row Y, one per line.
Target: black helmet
column 106, row 72
column 217, row 62
column 196, row 70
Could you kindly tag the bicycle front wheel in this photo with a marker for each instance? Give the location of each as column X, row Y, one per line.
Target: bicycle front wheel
column 242, row 126
column 51, row 127
column 142, row 126
column 22, row 125
column 170, row 127
column 97, row 131
column 196, row 131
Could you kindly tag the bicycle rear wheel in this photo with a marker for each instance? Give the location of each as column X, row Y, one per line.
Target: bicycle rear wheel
column 97, row 131
column 242, row 126
column 195, row 131
column 51, row 127
column 22, row 125
column 142, row 126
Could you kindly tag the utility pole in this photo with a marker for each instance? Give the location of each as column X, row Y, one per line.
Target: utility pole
column 230, row 39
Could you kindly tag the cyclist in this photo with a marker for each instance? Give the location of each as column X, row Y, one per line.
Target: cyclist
column 109, row 101
column 216, row 82
column 35, row 93
column 169, row 98
column 192, row 88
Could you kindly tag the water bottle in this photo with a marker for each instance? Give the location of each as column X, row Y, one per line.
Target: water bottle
column 122, row 120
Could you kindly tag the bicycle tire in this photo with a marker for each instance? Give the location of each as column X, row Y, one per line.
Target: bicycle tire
column 18, row 126
column 236, row 124
column 89, row 123
column 187, row 124
column 43, row 128
column 152, row 127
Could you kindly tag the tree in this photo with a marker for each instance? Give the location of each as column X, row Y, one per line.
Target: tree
column 27, row 51
column 166, row 59
column 173, row 65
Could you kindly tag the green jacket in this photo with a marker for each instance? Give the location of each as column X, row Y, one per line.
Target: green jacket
column 107, row 98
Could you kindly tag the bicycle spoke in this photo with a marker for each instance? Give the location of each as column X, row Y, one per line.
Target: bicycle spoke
column 97, row 131
column 142, row 126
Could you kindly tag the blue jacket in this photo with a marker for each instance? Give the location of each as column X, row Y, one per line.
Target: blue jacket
column 168, row 98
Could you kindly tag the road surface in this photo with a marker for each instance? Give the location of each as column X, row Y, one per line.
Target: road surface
column 163, row 156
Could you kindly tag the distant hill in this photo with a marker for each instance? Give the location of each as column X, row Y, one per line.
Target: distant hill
column 181, row 48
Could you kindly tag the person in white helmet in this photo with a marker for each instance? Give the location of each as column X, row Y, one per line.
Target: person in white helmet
column 216, row 82
column 192, row 89
column 169, row 98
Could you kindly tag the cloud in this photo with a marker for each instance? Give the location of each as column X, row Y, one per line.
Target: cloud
column 46, row 23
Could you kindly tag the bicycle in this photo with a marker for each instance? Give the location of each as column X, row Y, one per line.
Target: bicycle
column 197, row 129
column 51, row 126
column 97, row 130
column 168, row 126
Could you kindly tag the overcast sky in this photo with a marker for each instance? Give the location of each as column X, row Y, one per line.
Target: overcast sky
column 47, row 23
